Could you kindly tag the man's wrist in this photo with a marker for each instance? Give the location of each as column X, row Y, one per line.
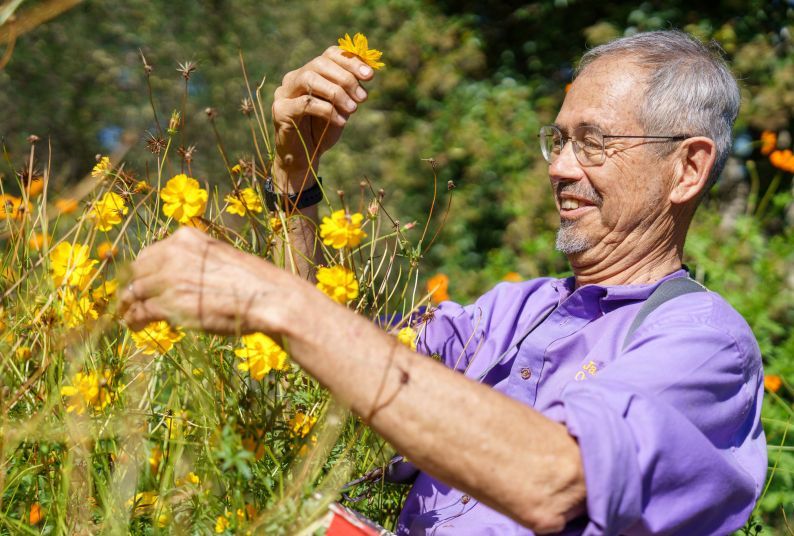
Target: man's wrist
column 290, row 181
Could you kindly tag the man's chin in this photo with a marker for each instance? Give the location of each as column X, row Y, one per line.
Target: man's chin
column 571, row 242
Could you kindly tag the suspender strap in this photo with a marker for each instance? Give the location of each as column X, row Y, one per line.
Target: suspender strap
column 672, row 288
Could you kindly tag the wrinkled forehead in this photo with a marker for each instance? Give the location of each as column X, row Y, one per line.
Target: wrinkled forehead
column 608, row 94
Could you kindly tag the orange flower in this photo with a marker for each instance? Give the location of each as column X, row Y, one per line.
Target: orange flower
column 66, row 205
column 783, row 160
column 35, row 513
column 13, row 208
column 37, row 241
column 567, row 87
column 772, row 383
column 35, row 186
column 512, row 277
column 358, row 46
column 437, row 286
column 106, row 250
column 768, row 142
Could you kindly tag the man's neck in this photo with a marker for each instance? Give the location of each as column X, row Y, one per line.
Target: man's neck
column 634, row 268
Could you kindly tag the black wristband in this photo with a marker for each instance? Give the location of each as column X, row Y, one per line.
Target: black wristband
column 304, row 199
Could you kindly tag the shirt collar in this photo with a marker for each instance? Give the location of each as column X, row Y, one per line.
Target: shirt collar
column 612, row 293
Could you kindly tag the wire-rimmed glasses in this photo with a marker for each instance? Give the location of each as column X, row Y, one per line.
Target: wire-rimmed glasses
column 588, row 143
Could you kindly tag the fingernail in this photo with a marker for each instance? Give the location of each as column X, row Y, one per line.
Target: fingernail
column 365, row 70
column 361, row 94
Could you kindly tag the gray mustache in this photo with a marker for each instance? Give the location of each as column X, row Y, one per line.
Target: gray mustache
column 579, row 189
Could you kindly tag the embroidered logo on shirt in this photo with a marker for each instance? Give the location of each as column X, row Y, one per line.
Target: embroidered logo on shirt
column 588, row 369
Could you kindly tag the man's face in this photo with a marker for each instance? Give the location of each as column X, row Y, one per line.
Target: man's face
column 615, row 205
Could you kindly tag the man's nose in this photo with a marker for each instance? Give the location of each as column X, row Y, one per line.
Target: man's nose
column 565, row 165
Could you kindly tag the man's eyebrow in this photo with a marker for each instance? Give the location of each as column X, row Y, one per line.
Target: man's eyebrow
column 564, row 130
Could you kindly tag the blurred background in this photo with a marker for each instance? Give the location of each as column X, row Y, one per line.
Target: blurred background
column 467, row 84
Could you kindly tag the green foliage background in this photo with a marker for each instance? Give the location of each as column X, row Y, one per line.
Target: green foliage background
column 467, row 83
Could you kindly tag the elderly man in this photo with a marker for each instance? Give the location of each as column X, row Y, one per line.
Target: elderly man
column 612, row 402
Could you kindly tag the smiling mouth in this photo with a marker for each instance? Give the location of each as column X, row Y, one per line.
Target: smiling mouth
column 572, row 208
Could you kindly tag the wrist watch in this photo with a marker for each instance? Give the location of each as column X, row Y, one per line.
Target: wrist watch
column 303, row 199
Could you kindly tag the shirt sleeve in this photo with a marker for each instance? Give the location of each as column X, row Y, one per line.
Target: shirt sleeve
column 670, row 433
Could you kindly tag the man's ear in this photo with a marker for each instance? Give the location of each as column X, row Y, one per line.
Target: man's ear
column 697, row 156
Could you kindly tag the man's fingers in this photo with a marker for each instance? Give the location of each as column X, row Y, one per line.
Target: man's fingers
column 351, row 63
column 340, row 76
column 288, row 110
column 309, row 82
column 142, row 313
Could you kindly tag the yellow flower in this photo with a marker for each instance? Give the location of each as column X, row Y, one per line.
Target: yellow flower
column 105, row 291
column 66, row 205
column 275, row 224
column 261, row 355
column 37, row 241
column 190, row 478
column 342, row 230
column 301, row 424
column 76, row 311
column 106, row 250
column 236, row 169
column 12, row 207
column 155, row 457
column 184, row 199
column 437, row 288
column 141, row 187
column 157, row 337
column 407, row 336
column 243, row 201
column 338, row 283
column 23, row 352
column 108, row 211
column 88, row 390
column 102, row 168
column 71, row 265
column 147, row 502
column 221, row 524
column 358, row 46
column 768, row 142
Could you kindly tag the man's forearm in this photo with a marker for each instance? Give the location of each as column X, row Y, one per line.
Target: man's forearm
column 480, row 441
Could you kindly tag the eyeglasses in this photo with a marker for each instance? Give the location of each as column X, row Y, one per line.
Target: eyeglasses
column 588, row 143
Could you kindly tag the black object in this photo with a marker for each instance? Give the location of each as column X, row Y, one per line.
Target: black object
column 304, row 199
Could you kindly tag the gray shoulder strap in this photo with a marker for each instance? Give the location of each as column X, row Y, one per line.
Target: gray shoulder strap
column 672, row 288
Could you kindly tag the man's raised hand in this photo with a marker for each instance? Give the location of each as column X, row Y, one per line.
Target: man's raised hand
column 313, row 104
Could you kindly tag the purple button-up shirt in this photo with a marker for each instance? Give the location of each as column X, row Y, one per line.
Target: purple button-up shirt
column 669, row 428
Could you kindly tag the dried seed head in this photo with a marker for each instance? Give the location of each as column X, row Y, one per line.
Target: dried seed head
column 247, row 106
column 187, row 153
column 186, row 68
column 146, row 66
column 33, row 139
column 211, row 113
column 450, row 186
column 155, row 144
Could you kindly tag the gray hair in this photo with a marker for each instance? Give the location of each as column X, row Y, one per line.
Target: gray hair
column 690, row 89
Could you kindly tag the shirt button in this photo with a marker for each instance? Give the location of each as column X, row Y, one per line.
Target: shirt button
column 526, row 373
column 465, row 499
